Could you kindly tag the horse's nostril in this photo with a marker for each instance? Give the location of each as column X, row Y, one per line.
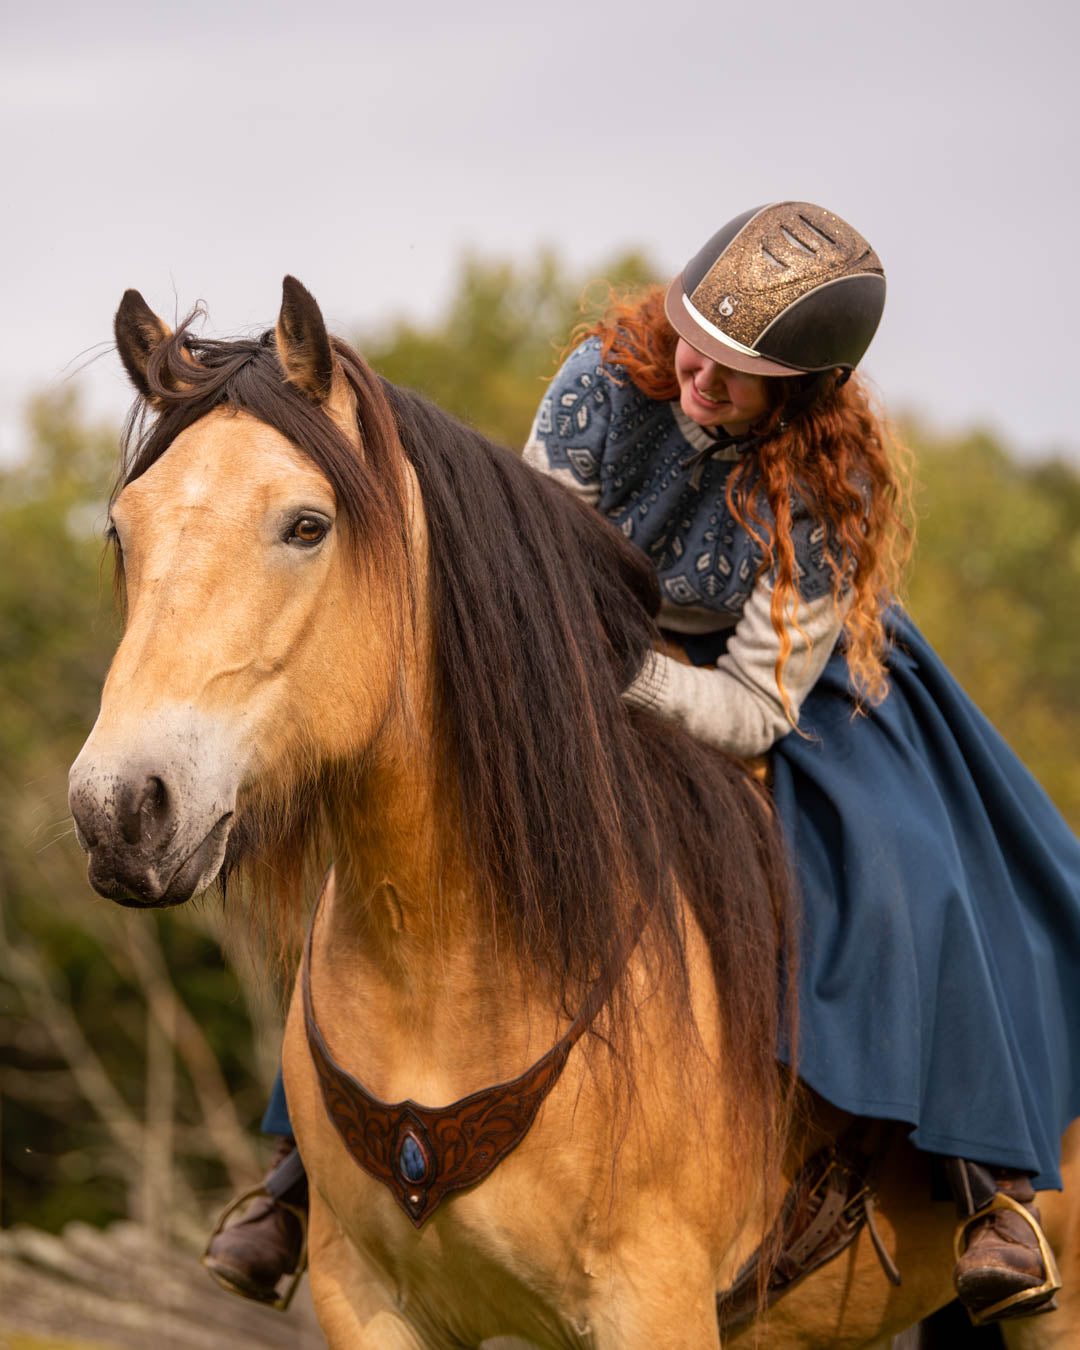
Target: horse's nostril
column 155, row 798
column 143, row 816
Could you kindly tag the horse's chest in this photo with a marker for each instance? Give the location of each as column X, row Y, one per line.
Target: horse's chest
column 487, row 1265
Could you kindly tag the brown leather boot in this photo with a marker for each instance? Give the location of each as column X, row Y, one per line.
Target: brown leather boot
column 1004, row 1265
column 250, row 1257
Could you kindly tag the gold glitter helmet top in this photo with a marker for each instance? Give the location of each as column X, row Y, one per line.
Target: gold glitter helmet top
column 780, row 290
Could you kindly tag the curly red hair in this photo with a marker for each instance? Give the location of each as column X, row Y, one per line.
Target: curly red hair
column 839, row 456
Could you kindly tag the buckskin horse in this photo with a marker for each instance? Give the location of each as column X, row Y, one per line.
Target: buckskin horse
column 356, row 630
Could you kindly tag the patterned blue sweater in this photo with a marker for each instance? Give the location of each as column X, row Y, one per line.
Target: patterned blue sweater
column 633, row 458
column 660, row 478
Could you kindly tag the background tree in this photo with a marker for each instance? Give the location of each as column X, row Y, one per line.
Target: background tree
column 491, row 354
column 995, row 586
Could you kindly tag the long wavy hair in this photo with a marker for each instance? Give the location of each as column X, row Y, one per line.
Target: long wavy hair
column 839, row 456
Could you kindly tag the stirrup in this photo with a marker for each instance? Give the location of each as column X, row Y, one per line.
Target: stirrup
column 1015, row 1304
column 280, row 1302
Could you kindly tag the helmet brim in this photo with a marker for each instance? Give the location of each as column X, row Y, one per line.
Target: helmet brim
column 691, row 327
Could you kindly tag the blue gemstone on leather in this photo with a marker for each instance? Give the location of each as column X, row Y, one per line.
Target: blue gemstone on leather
column 411, row 1161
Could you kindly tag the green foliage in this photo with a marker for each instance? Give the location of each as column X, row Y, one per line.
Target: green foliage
column 490, row 356
column 49, row 667
column 995, row 588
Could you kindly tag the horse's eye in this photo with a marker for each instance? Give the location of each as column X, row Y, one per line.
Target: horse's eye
column 307, row 531
column 112, row 537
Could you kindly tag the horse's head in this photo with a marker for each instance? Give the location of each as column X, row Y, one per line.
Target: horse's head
column 249, row 592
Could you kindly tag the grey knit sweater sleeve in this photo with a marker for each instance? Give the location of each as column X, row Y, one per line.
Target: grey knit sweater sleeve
column 736, row 704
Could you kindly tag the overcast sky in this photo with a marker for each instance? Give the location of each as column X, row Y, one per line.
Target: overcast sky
column 201, row 151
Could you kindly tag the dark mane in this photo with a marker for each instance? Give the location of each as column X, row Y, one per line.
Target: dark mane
column 572, row 802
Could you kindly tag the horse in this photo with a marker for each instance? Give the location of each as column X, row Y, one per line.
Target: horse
column 359, row 633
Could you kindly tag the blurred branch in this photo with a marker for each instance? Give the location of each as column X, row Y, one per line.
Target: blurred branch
column 49, row 1090
column 25, row 969
column 158, row 1172
column 171, row 1015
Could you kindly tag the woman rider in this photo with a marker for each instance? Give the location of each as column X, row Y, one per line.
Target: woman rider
column 718, row 426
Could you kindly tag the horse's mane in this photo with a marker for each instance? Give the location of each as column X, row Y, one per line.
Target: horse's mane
column 572, row 802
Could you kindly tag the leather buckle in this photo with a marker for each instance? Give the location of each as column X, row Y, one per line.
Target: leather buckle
column 281, row 1301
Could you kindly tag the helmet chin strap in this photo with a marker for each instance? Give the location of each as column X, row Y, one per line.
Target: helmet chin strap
column 811, row 387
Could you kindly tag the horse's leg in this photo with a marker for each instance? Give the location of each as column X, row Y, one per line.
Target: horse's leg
column 1058, row 1330
column 353, row 1310
column 657, row 1294
column 1049, row 1331
column 676, row 1326
column 1060, row 1211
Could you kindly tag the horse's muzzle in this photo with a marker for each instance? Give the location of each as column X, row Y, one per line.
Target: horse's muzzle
column 154, row 823
column 142, row 877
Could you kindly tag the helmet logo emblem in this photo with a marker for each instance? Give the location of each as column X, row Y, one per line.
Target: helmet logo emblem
column 727, row 306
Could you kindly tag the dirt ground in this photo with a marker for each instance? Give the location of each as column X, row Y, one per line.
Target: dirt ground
column 116, row 1290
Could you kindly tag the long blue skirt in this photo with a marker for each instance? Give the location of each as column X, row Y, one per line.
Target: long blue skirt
column 940, row 945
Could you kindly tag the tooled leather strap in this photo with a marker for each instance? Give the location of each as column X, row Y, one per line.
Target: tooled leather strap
column 421, row 1153
column 829, row 1202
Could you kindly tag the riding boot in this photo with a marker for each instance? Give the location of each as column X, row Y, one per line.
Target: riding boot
column 250, row 1257
column 1004, row 1265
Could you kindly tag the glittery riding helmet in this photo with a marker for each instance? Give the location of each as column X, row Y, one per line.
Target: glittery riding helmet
column 780, row 290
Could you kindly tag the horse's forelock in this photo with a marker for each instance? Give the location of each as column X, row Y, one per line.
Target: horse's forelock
column 189, row 377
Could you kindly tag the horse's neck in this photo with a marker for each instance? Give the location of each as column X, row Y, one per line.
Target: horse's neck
column 420, row 983
column 386, row 846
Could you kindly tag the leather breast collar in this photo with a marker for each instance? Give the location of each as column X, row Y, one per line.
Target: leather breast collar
column 422, row 1153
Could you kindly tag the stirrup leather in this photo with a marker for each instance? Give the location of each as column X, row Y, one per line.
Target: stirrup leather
column 1041, row 1292
column 280, row 1302
column 841, row 1178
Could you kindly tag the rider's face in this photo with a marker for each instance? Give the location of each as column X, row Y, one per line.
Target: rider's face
column 716, row 396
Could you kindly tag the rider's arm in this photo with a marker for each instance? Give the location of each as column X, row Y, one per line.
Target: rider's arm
column 736, row 705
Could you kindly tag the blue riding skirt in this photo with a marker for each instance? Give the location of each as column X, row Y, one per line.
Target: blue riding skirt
column 940, row 944
column 276, row 1117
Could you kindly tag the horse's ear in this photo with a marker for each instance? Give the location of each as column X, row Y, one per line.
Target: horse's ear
column 138, row 331
column 303, row 344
